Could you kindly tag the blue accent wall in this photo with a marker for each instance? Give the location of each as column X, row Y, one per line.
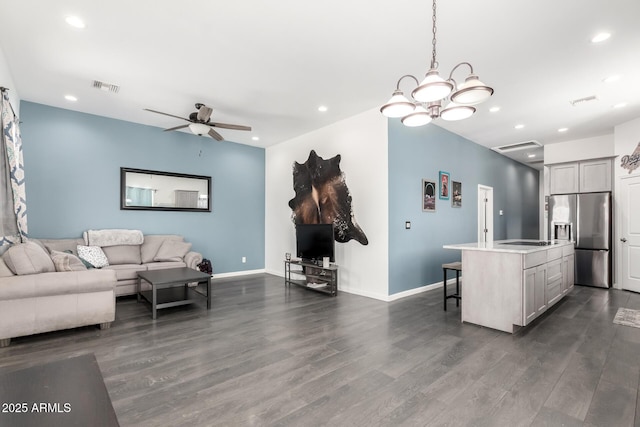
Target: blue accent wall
column 72, row 172
column 416, row 255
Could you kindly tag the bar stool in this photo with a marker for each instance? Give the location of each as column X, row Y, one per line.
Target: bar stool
column 457, row 267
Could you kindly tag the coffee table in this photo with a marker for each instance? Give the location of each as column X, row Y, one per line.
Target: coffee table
column 169, row 287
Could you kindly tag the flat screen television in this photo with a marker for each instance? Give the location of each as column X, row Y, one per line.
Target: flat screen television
column 315, row 241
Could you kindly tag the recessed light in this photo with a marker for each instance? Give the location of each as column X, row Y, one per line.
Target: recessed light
column 611, row 79
column 620, row 105
column 70, row 98
column 494, row 109
column 322, row 108
column 519, row 126
column 255, row 138
column 75, row 22
column 563, row 129
column 531, row 156
column 600, row 37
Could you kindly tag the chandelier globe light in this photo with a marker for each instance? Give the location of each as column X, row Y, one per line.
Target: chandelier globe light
column 434, row 91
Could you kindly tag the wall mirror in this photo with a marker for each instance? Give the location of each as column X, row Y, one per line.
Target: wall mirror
column 142, row 189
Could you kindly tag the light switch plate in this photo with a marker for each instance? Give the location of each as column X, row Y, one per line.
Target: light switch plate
column 407, row 224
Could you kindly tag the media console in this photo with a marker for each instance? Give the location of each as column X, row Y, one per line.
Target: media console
column 316, row 277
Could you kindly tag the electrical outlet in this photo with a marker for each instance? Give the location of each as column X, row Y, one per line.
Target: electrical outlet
column 244, row 259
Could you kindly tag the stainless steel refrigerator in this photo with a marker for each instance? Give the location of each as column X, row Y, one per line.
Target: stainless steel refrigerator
column 586, row 220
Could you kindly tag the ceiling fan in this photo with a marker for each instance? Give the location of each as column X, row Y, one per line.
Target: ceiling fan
column 200, row 123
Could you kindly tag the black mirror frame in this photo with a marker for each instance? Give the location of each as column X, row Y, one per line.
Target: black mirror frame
column 123, row 192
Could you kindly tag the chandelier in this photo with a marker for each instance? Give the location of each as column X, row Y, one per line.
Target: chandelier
column 429, row 95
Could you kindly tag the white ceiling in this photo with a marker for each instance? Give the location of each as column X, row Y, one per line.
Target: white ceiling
column 270, row 64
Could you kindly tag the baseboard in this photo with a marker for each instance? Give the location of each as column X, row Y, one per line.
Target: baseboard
column 419, row 290
column 237, row 273
column 362, row 293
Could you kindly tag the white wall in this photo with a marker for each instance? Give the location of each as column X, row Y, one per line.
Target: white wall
column 7, row 81
column 627, row 138
column 362, row 143
column 596, row 147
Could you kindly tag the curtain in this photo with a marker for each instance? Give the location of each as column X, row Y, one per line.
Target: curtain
column 137, row 196
column 13, row 205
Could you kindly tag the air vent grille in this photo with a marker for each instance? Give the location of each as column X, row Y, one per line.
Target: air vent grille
column 107, row 87
column 517, row 146
column 584, row 100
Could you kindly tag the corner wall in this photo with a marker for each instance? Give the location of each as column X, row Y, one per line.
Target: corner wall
column 72, row 172
column 416, row 255
column 362, row 143
column 6, row 80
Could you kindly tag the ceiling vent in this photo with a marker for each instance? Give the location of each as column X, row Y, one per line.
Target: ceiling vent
column 517, row 146
column 584, row 100
column 107, row 87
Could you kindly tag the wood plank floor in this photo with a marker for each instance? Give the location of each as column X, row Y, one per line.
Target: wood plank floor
column 268, row 355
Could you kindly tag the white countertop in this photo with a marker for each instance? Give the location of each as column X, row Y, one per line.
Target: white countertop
column 500, row 246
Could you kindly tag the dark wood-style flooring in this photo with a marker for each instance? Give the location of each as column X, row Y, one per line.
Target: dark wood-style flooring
column 267, row 355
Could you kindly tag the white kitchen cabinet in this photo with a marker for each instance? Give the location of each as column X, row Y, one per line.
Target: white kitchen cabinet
column 563, row 178
column 554, row 281
column 535, row 303
column 580, row 177
column 595, row 175
column 568, row 271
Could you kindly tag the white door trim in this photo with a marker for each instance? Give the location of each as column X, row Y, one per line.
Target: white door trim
column 485, row 214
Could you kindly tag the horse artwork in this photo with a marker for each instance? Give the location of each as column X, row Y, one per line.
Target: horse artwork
column 322, row 197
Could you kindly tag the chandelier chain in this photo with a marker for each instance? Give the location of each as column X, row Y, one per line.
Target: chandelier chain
column 434, row 63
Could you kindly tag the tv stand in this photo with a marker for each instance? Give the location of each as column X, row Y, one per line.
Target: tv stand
column 316, row 277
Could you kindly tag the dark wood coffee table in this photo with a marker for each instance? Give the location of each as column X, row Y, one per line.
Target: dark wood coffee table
column 170, row 287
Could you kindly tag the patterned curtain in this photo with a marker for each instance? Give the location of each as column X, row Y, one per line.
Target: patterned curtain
column 13, row 207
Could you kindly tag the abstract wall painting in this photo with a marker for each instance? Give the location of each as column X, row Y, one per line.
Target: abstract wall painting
column 429, row 191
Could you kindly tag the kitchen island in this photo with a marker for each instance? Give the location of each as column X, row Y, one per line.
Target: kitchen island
column 508, row 283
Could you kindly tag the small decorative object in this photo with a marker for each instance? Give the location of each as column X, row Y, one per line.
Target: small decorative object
column 287, row 256
column 326, row 262
column 456, row 194
column 631, row 161
column 205, row 266
column 428, row 196
column 444, row 185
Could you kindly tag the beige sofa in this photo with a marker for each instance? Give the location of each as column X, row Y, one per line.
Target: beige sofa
column 44, row 300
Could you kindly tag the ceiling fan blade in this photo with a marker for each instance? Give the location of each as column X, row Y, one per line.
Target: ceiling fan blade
column 229, row 126
column 204, row 113
column 215, row 135
column 176, row 128
column 166, row 114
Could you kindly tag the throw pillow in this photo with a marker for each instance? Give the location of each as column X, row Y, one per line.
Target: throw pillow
column 93, row 255
column 66, row 262
column 4, row 270
column 172, row 250
column 28, row 258
column 122, row 254
column 152, row 243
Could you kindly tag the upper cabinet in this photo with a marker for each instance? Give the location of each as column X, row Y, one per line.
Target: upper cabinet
column 595, row 175
column 563, row 178
column 580, row 177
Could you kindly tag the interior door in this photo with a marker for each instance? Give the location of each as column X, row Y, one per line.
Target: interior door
column 630, row 232
column 485, row 214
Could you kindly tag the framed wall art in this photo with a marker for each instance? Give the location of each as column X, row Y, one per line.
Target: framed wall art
column 444, row 185
column 429, row 190
column 456, row 194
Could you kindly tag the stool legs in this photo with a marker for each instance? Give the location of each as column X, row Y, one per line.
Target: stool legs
column 457, row 288
column 444, row 286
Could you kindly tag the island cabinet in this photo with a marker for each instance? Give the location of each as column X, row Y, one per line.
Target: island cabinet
column 506, row 285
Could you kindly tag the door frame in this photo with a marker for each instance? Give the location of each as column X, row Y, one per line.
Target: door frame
column 485, row 221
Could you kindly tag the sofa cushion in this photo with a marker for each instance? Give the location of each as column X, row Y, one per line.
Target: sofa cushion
column 28, row 258
column 66, row 262
column 151, row 244
column 126, row 271
column 162, row 265
column 4, row 270
column 172, row 250
column 46, row 284
column 93, row 255
column 123, row 254
column 62, row 245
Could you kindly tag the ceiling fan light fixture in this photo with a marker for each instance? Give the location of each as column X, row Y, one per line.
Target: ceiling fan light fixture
column 471, row 92
column 199, row 128
column 398, row 105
